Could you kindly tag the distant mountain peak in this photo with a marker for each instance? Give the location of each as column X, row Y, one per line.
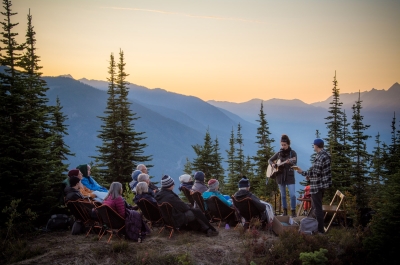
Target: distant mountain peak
column 395, row 86
column 67, row 76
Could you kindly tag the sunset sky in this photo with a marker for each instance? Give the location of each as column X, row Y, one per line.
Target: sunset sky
column 226, row 50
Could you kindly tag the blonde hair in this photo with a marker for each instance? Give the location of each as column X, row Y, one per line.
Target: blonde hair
column 142, row 187
column 115, row 190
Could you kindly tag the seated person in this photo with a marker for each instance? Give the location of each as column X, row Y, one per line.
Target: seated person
column 82, row 189
column 213, row 190
column 186, row 181
column 151, row 185
column 199, row 185
column 134, row 181
column 182, row 213
column 143, row 177
column 244, row 187
column 114, row 199
column 90, row 183
column 142, row 191
column 72, row 191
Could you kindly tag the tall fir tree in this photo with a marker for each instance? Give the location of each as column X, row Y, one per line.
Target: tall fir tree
column 231, row 183
column 264, row 152
column 376, row 174
column 360, row 178
column 239, row 157
column 218, row 171
column 117, row 164
column 204, row 160
column 391, row 154
column 187, row 168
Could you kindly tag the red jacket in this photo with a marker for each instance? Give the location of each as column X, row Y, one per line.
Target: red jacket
column 118, row 205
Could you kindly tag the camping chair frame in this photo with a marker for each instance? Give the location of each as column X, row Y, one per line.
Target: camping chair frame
column 247, row 210
column 151, row 212
column 166, row 212
column 337, row 210
column 187, row 194
column 111, row 221
column 218, row 209
column 87, row 207
column 198, row 198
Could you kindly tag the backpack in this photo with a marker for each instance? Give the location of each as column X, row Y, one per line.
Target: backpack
column 135, row 228
column 58, row 221
column 308, row 226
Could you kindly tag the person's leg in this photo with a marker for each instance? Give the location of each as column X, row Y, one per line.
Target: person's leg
column 317, row 205
column 292, row 195
column 282, row 189
column 100, row 194
column 204, row 223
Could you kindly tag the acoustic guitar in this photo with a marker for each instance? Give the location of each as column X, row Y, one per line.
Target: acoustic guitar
column 272, row 172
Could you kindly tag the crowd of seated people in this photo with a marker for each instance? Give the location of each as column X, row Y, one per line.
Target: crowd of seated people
column 81, row 185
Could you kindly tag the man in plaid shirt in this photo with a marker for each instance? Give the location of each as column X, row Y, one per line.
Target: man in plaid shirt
column 320, row 179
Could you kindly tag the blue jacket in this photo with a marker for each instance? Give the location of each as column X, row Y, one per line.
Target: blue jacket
column 207, row 194
column 91, row 184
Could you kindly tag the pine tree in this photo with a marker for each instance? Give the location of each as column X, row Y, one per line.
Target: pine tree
column 128, row 150
column 218, row 171
column 391, row 154
column 239, row 157
column 360, row 156
column 376, row 174
column 187, row 168
column 204, row 160
column 231, row 183
column 264, row 152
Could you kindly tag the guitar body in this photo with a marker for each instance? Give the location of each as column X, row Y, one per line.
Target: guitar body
column 272, row 171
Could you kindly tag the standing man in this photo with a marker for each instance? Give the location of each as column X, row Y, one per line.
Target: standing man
column 320, row 179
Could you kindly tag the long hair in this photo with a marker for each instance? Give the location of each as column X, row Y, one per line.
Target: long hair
column 115, row 190
column 142, row 187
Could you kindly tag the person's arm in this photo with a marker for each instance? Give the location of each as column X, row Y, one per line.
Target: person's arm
column 273, row 158
column 260, row 206
column 222, row 198
column 120, row 206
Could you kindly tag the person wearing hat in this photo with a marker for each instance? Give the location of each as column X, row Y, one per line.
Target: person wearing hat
column 88, row 181
column 186, row 181
column 134, row 181
column 287, row 158
column 244, row 192
column 213, row 190
column 320, row 179
column 182, row 214
column 72, row 192
column 82, row 189
column 199, row 185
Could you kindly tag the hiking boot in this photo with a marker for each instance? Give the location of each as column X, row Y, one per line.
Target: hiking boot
column 211, row 232
column 294, row 213
column 284, row 212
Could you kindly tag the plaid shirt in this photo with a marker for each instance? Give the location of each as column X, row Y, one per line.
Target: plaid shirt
column 320, row 172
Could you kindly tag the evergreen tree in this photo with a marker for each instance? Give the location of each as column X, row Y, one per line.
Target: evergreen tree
column 360, row 156
column 264, row 152
column 187, row 168
column 376, row 174
column 218, row 171
column 239, row 157
column 231, row 183
column 334, row 141
column 391, row 154
column 117, row 164
column 204, row 160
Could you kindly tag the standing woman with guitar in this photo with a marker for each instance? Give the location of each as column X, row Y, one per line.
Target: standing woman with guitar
column 282, row 163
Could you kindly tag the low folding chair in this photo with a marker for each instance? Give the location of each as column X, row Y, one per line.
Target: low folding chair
column 166, row 212
column 336, row 208
column 198, row 198
column 186, row 192
column 151, row 213
column 247, row 210
column 112, row 222
column 219, row 210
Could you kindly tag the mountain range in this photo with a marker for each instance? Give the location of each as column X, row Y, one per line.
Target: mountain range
column 173, row 122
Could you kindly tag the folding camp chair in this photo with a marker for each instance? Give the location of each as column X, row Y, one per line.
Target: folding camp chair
column 336, row 208
column 80, row 214
column 247, row 209
column 112, row 222
column 186, row 192
column 91, row 219
column 166, row 212
column 198, row 198
column 151, row 212
column 219, row 210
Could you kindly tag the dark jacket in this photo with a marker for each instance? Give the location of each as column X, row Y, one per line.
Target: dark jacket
column 286, row 175
column 179, row 207
column 187, row 185
column 241, row 194
column 72, row 194
column 148, row 195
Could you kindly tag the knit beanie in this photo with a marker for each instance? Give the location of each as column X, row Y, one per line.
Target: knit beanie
column 135, row 174
column 199, row 175
column 319, row 142
column 244, row 183
column 167, row 181
column 73, row 181
column 73, row 172
column 184, row 178
column 213, row 184
column 83, row 169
